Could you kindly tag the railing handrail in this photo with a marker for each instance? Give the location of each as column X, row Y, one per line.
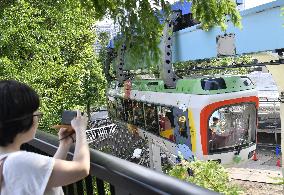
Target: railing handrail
column 120, row 172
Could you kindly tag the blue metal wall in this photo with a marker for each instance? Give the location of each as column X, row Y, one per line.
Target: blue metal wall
column 262, row 30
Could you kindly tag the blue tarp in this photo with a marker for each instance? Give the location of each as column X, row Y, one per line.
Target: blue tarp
column 185, row 7
column 110, row 44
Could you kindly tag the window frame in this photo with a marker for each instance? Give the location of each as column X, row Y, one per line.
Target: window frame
column 231, row 148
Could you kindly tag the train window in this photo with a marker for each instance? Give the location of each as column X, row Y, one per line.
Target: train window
column 120, row 109
column 213, row 84
column 181, row 132
column 128, row 111
column 151, row 118
column 231, row 126
column 138, row 113
column 182, row 126
column 152, row 83
column 166, row 122
column 112, row 107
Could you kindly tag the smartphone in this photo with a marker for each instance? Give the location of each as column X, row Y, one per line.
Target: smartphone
column 67, row 117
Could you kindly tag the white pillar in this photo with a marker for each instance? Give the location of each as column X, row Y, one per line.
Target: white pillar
column 151, row 160
column 155, row 155
column 157, row 158
column 277, row 72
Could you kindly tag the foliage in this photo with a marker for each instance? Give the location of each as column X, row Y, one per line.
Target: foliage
column 210, row 175
column 184, row 68
column 215, row 13
column 204, row 67
column 48, row 45
column 279, row 180
column 141, row 29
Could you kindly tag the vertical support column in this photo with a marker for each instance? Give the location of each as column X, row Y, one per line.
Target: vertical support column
column 157, row 157
column 107, row 63
column 154, row 155
column 151, row 158
column 168, row 74
column 282, row 124
column 120, row 64
column 277, row 73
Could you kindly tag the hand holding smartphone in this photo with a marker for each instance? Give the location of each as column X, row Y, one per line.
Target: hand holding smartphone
column 71, row 122
column 66, row 118
column 79, row 123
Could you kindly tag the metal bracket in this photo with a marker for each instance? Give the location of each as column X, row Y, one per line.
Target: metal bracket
column 226, row 45
column 280, row 55
column 281, row 97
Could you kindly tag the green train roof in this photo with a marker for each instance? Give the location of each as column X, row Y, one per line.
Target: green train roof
column 198, row 86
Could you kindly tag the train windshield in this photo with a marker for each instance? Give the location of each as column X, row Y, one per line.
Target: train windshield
column 231, row 126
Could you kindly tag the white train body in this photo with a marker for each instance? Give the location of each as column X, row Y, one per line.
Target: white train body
column 181, row 119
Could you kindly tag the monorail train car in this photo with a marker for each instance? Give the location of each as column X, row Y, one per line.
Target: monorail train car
column 213, row 117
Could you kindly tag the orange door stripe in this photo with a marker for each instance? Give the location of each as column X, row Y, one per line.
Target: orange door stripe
column 208, row 110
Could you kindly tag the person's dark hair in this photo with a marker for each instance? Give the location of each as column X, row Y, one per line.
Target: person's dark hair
column 18, row 102
column 170, row 117
column 215, row 119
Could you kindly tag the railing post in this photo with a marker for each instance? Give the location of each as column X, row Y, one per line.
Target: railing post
column 79, row 186
column 112, row 189
column 100, row 187
column 89, row 185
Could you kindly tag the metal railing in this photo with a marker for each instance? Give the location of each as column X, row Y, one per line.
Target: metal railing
column 112, row 175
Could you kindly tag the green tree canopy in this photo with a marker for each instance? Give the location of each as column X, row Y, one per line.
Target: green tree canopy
column 49, row 45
